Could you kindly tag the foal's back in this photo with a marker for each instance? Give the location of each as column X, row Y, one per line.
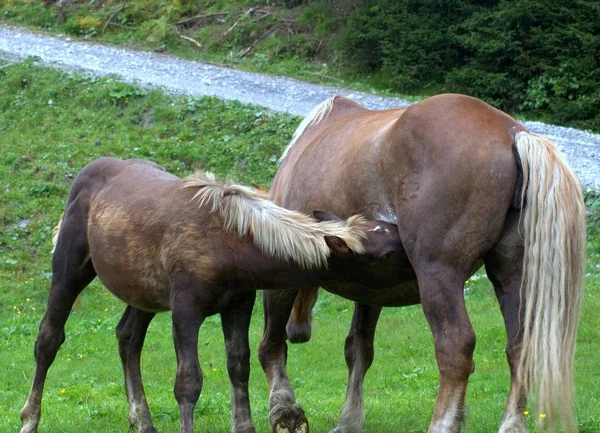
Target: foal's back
column 142, row 229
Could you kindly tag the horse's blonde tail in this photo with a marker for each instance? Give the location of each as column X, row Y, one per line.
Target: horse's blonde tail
column 55, row 232
column 553, row 228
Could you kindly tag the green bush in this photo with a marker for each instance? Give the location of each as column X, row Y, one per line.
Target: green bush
column 537, row 58
column 530, row 56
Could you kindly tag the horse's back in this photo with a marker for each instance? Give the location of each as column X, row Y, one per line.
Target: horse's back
column 446, row 163
column 132, row 206
column 331, row 154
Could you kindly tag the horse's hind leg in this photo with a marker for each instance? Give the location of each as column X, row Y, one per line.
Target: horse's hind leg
column 441, row 288
column 504, row 268
column 235, row 320
column 72, row 271
column 285, row 416
column 359, row 353
column 131, row 332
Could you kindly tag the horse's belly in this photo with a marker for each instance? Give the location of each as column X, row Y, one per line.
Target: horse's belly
column 398, row 296
column 129, row 267
column 139, row 291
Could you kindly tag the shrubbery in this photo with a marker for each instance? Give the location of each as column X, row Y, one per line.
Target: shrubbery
column 536, row 56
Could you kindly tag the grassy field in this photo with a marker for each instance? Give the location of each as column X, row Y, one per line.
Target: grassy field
column 52, row 124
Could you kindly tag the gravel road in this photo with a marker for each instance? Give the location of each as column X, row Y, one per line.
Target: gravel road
column 180, row 76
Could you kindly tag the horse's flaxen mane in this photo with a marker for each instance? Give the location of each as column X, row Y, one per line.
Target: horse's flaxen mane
column 278, row 232
column 315, row 116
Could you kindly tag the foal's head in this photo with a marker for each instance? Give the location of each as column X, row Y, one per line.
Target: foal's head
column 381, row 256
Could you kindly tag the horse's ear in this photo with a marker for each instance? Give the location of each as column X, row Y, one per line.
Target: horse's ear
column 337, row 246
column 323, row 215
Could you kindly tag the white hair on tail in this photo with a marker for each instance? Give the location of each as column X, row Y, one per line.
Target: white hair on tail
column 315, row 116
column 55, row 232
column 553, row 227
column 277, row 232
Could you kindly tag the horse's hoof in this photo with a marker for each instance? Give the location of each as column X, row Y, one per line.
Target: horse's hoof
column 298, row 333
column 290, row 420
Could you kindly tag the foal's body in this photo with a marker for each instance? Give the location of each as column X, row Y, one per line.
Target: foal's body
column 196, row 250
column 449, row 171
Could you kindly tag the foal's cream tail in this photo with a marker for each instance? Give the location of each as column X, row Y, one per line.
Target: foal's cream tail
column 55, row 232
column 553, row 227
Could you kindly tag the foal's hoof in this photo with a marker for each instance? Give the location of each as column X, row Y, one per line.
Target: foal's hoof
column 290, row 420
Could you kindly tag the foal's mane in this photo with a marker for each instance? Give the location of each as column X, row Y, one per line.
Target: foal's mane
column 277, row 232
column 315, row 116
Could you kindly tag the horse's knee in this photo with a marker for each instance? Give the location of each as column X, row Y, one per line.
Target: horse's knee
column 455, row 354
column 270, row 352
column 238, row 367
column 48, row 341
column 188, row 383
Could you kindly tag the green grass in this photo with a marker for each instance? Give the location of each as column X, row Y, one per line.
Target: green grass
column 51, row 125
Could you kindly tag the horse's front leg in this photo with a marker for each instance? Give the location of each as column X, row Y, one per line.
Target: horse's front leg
column 285, row 416
column 131, row 332
column 299, row 324
column 235, row 320
column 187, row 319
column 359, row 353
column 442, row 297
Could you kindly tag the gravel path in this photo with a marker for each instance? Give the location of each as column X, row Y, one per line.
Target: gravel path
column 279, row 94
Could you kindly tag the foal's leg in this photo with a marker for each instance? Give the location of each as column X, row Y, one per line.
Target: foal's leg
column 504, row 265
column 235, row 319
column 187, row 319
column 285, row 416
column 131, row 332
column 359, row 353
column 72, row 271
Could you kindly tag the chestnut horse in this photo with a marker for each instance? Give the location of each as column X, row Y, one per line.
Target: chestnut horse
column 467, row 185
column 196, row 248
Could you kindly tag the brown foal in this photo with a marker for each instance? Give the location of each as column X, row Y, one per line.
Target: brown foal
column 197, row 248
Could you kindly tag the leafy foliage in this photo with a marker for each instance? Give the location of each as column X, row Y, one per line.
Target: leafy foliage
column 592, row 201
column 539, row 56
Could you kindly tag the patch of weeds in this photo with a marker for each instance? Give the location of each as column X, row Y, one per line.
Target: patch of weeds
column 592, row 202
column 121, row 93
